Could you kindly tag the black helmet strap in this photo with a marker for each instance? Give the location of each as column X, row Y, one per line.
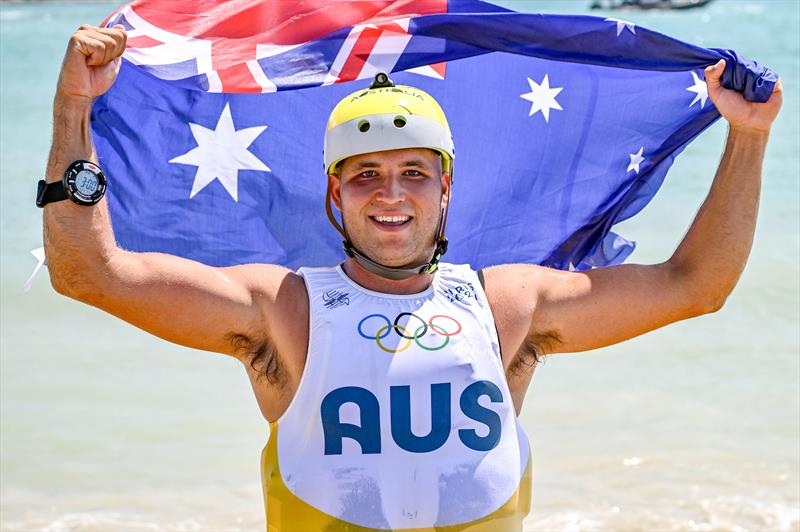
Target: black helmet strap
column 401, row 273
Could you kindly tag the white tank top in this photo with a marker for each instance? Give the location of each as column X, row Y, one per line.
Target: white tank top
column 402, row 418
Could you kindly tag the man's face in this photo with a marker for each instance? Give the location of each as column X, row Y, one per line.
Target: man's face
column 391, row 202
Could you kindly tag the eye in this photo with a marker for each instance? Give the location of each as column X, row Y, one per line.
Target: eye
column 413, row 173
column 368, row 173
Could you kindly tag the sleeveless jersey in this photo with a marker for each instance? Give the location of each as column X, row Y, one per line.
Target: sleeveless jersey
column 402, row 418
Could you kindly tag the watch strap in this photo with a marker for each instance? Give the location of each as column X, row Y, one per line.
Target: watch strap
column 50, row 192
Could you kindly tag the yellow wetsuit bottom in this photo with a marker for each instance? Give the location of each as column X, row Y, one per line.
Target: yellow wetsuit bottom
column 287, row 513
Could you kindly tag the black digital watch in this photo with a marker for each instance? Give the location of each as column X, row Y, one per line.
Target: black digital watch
column 84, row 183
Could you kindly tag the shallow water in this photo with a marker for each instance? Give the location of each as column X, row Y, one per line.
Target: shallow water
column 694, row 427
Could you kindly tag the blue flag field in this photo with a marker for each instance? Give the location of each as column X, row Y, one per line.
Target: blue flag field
column 564, row 126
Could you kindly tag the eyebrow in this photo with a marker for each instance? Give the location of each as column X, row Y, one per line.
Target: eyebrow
column 371, row 164
column 421, row 164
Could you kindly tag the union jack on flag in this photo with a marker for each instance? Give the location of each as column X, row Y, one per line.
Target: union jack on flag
column 212, row 135
column 248, row 45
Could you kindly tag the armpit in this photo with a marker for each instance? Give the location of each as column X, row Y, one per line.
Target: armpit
column 525, row 359
column 263, row 358
column 531, row 352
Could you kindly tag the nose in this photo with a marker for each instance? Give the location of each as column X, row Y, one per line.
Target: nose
column 392, row 190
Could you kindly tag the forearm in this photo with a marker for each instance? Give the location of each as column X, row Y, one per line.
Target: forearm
column 78, row 240
column 713, row 253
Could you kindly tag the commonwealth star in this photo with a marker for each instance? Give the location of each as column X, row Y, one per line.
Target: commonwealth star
column 221, row 153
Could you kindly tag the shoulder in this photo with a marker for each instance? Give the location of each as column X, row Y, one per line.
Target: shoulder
column 511, row 290
column 280, row 296
column 267, row 280
column 514, row 292
column 510, row 280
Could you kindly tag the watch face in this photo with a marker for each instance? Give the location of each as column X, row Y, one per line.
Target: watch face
column 84, row 183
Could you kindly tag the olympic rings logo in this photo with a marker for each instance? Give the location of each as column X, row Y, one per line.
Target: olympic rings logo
column 441, row 324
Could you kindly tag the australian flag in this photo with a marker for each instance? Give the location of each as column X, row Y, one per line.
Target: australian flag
column 212, row 135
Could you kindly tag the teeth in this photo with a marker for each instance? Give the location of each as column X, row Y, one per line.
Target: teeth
column 392, row 219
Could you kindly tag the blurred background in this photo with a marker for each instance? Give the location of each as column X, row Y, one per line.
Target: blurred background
column 693, row 427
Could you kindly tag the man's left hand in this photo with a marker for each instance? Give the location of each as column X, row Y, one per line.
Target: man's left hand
column 740, row 113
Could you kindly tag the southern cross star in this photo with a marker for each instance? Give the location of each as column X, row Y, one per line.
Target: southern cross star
column 623, row 24
column 636, row 160
column 700, row 89
column 221, row 153
column 542, row 98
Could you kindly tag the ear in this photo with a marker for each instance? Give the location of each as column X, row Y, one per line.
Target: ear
column 334, row 185
column 446, row 188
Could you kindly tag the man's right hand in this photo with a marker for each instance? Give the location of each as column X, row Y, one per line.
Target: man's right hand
column 91, row 62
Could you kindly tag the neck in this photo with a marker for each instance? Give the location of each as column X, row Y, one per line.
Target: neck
column 376, row 283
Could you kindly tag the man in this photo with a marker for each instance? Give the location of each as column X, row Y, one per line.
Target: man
column 391, row 383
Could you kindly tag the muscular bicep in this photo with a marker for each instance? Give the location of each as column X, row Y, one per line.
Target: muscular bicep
column 578, row 311
column 187, row 302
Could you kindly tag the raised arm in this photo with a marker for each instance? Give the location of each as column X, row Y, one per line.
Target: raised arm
column 555, row 311
column 226, row 310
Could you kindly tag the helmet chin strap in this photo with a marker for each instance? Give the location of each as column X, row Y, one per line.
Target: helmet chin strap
column 391, row 272
column 397, row 273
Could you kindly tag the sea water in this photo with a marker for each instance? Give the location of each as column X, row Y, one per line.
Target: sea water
column 693, row 427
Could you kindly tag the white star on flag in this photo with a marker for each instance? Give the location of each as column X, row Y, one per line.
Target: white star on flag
column 700, row 89
column 41, row 261
column 542, row 98
column 622, row 24
column 636, row 160
column 221, row 153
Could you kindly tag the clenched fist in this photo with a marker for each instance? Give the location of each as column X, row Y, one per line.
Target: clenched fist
column 741, row 114
column 91, row 62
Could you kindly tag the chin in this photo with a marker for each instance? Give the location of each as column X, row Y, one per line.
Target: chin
column 395, row 258
column 415, row 259
column 393, row 250
column 392, row 261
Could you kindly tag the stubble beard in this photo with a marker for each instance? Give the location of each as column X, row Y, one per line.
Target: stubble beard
column 418, row 249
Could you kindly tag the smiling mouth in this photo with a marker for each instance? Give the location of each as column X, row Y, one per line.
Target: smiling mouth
column 391, row 221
